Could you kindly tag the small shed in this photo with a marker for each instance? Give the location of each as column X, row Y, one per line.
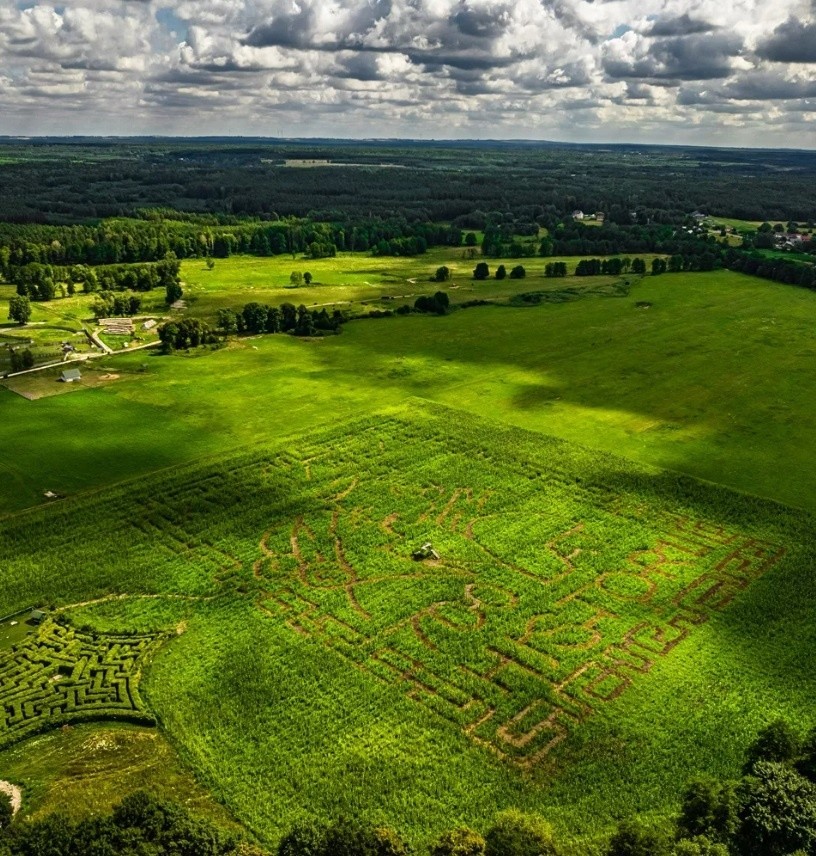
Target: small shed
column 70, row 375
column 37, row 616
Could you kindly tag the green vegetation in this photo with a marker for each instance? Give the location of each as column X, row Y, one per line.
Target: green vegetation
column 57, row 676
column 90, row 766
column 578, row 607
column 710, row 379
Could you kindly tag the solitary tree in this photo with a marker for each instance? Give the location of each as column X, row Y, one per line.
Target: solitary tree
column 501, row 272
column 173, row 292
column 442, row 274
column 19, row 309
column 307, row 278
column 481, row 271
column 518, row 272
column 296, row 278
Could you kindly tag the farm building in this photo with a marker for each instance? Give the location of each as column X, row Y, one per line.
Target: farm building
column 37, row 616
column 70, row 375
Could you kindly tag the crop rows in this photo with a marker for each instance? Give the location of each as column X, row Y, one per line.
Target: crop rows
column 563, row 575
column 58, row 675
column 549, row 599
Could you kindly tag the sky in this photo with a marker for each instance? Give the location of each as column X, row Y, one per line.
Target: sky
column 721, row 72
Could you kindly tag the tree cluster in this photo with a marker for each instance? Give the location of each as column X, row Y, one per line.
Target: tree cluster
column 436, row 304
column 39, row 281
column 286, row 318
column 141, row 825
column 186, row 333
column 770, row 811
column 110, row 305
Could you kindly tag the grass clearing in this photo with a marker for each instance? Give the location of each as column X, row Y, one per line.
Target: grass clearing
column 85, row 769
column 356, row 282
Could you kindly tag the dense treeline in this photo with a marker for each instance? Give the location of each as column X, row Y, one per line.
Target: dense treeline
column 140, row 825
column 779, row 270
column 127, row 241
column 425, row 181
column 38, row 281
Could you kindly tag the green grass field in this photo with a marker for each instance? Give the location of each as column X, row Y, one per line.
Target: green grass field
column 356, row 282
column 254, row 508
column 581, row 606
column 710, row 381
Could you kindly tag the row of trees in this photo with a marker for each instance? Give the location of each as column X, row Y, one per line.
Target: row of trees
column 286, row 318
column 40, row 281
column 482, row 272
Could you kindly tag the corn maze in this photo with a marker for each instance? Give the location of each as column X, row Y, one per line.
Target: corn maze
column 57, row 675
column 550, row 596
column 559, row 577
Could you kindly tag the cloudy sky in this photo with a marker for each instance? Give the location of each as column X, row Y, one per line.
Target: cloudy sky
column 728, row 72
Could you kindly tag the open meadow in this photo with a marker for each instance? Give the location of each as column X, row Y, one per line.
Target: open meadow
column 580, row 606
column 710, row 378
column 232, row 551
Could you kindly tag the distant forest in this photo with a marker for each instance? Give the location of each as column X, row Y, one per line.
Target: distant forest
column 64, row 181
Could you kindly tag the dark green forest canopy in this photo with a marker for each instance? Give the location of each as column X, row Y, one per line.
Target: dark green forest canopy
column 88, row 179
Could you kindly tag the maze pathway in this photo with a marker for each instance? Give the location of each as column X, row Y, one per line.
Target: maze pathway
column 532, row 619
column 57, row 675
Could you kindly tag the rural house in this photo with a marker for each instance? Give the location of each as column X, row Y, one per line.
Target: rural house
column 70, row 375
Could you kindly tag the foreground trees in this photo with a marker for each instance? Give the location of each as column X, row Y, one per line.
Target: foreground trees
column 771, row 811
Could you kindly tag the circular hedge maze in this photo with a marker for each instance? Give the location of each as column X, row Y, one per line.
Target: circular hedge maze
column 58, row 675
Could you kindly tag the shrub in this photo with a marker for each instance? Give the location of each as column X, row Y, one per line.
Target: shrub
column 777, row 742
column 634, row 839
column 354, row 838
column 709, row 808
column 461, row 841
column 304, row 839
column 516, row 834
column 699, row 846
